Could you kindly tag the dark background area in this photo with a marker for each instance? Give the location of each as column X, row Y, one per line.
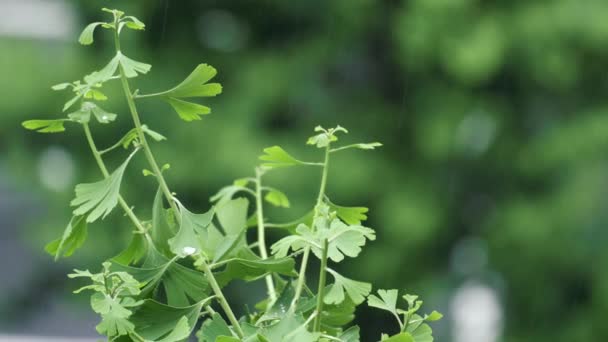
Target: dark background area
column 488, row 196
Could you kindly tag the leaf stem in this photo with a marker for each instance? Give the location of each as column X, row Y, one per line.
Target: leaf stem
column 104, row 151
column 261, row 231
column 302, row 273
column 106, row 174
column 221, row 299
column 140, row 133
column 143, row 96
column 321, row 288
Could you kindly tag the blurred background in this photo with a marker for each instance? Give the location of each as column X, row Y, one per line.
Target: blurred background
column 488, row 197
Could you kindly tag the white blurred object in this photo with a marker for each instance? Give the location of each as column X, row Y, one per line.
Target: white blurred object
column 476, row 314
column 45, row 19
column 56, row 168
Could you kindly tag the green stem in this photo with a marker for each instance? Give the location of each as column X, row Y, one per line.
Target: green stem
column 301, row 279
column 106, row 174
column 141, row 136
column 222, row 300
column 165, row 189
column 302, row 273
column 323, row 179
column 272, row 293
column 320, row 290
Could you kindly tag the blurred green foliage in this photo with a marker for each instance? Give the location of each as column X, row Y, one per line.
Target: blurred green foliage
column 493, row 114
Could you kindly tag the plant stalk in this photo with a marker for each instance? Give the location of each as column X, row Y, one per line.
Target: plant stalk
column 272, row 293
column 302, row 273
column 140, row 134
column 106, row 174
column 321, row 289
column 222, row 300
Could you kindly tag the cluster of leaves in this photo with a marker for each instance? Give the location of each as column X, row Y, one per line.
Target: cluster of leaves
column 173, row 271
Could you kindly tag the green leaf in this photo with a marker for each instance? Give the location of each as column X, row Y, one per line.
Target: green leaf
column 350, row 215
column 154, row 135
column 101, row 115
column 155, row 321
column 86, row 37
column 227, row 339
column 277, row 198
column 73, row 237
column 182, row 286
column 133, row 23
column 180, row 332
column 276, row 156
column 387, row 300
column 248, row 266
column 226, row 193
column 335, row 316
column 321, row 140
column 186, row 241
column 45, row 126
column 213, row 328
column 99, row 198
column 115, row 323
column 103, row 75
column 242, row 181
column 163, row 228
column 280, row 249
column 95, row 95
column 232, row 215
column 343, row 240
column 111, row 299
column 71, row 102
column 131, row 67
column 362, row 146
column 61, row 86
column 350, row 335
column 367, row 146
column 433, row 316
column 326, row 137
column 195, row 85
column 188, row 111
column 356, row 290
column 402, row 337
column 278, row 309
column 289, row 328
column 135, row 251
column 419, row 331
column 116, row 13
column 83, row 115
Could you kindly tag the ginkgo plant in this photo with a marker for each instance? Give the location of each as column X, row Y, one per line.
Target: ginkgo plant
column 173, row 272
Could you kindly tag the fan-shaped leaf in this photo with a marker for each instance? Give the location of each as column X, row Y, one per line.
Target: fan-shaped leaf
column 276, row 156
column 99, row 198
column 188, row 111
column 73, row 237
column 356, row 290
column 277, row 198
column 86, row 37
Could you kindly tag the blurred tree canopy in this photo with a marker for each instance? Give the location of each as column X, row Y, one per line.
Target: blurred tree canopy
column 493, row 114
